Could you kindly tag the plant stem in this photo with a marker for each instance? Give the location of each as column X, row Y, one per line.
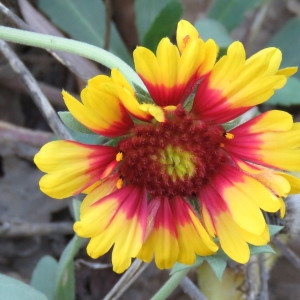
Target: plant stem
column 170, row 285
column 92, row 52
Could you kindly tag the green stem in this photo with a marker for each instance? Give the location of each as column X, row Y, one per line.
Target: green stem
column 92, row 52
column 170, row 285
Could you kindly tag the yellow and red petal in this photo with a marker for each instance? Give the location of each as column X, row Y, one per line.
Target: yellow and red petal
column 128, row 100
column 162, row 240
column 220, row 218
column 119, row 220
column 101, row 109
column 72, row 167
column 176, row 234
column 270, row 139
column 193, row 239
column 185, row 33
column 273, row 180
column 236, row 84
column 170, row 76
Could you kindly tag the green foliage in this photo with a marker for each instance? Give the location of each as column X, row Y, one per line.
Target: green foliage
column 85, row 21
column 180, row 267
column 231, row 12
column 156, row 19
column 145, row 13
column 12, row 289
column 287, row 40
column 56, row 279
column 288, row 95
column 218, row 263
column 79, row 132
column 43, row 277
column 261, row 249
column 274, row 229
column 65, row 281
column 163, row 25
column 76, row 204
column 212, row 29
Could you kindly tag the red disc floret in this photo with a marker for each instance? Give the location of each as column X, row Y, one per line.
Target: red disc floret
column 173, row 158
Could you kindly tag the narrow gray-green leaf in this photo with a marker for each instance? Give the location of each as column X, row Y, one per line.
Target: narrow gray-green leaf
column 65, row 280
column 218, row 265
column 43, row 277
column 76, row 204
column 85, row 21
column 179, row 267
column 79, row 132
column 12, row 289
column 274, row 229
column 231, row 12
column 164, row 24
column 72, row 123
column 261, row 249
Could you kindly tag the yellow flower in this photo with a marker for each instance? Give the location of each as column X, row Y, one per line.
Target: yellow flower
column 174, row 183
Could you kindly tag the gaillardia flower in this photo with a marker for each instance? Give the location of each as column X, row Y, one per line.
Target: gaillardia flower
column 173, row 183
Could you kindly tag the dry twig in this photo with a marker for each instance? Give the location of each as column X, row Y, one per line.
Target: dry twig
column 38, row 97
column 191, row 289
column 79, row 66
column 23, row 229
column 287, row 252
column 136, row 269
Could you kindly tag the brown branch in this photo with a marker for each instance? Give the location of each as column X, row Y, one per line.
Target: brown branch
column 37, row 95
column 20, row 141
column 288, row 253
column 23, row 229
column 191, row 289
column 36, row 138
column 264, row 278
column 79, row 66
column 136, row 269
column 52, row 93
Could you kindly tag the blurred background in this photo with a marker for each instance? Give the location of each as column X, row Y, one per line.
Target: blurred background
column 33, row 225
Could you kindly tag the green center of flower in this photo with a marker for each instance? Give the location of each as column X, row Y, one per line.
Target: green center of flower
column 175, row 157
column 178, row 163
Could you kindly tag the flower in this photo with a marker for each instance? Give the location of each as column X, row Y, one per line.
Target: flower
column 172, row 183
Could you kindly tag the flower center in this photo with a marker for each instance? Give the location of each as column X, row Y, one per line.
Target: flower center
column 176, row 157
column 179, row 164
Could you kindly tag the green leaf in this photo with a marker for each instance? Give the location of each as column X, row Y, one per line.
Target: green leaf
column 287, row 40
column 218, row 264
column 180, row 267
column 79, row 132
column 85, row 21
column 212, row 29
column 231, row 12
column 261, row 249
column 163, row 25
column 65, row 281
column 146, row 12
column 72, row 123
column 142, row 95
column 288, row 95
column 43, row 277
column 76, row 204
column 12, row 289
column 274, row 229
